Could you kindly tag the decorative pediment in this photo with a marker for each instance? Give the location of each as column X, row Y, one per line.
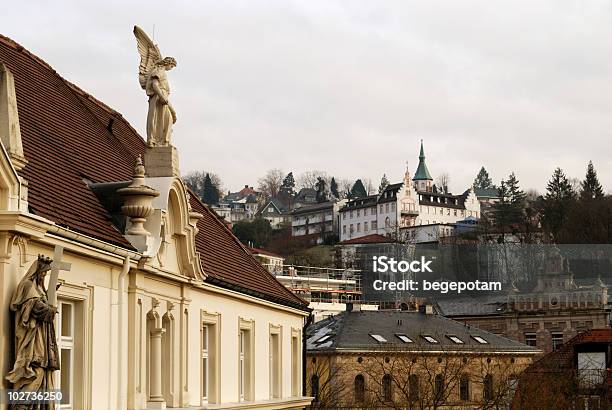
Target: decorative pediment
column 172, row 227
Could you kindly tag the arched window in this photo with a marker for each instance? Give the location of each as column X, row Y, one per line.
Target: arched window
column 359, row 388
column 386, row 387
column 413, row 384
column 464, row 388
column 314, row 387
column 439, row 388
column 487, row 388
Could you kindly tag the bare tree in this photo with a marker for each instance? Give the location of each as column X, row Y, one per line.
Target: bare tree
column 195, row 181
column 443, row 183
column 344, row 186
column 308, row 179
column 270, row 183
column 324, row 382
column 369, row 186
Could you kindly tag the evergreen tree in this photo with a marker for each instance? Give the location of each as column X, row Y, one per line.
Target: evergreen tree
column 288, row 185
column 557, row 202
column 590, row 188
column 210, row 194
column 482, row 180
column 383, row 183
column 333, row 187
column 358, row 190
column 321, row 187
column 509, row 211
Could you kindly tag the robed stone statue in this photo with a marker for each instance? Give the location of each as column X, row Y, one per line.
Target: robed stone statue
column 153, row 79
column 36, row 352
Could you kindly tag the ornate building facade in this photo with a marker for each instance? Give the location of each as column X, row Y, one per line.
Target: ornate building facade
column 159, row 305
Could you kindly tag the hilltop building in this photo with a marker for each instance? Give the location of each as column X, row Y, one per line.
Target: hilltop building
column 413, row 210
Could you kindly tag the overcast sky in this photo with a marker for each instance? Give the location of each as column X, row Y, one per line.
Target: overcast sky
column 351, row 87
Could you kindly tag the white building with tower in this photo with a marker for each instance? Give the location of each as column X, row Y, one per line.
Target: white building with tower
column 412, row 210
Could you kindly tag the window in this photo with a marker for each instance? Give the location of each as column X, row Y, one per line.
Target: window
column 386, row 208
column 386, row 388
column 592, row 369
column 351, row 214
column 404, row 338
column 365, row 226
column 243, row 364
column 359, row 388
column 66, row 349
column 246, row 373
column 464, row 388
column 296, row 361
column 275, row 361
column 379, row 338
column 439, row 388
column 205, row 363
column 413, row 382
column 429, row 339
column 392, row 206
column 314, row 387
column 358, row 226
column 480, row 340
column 557, row 339
column 373, row 211
column 487, row 388
column 374, row 225
column 531, row 339
column 381, row 208
column 343, row 215
column 323, row 339
column 351, row 229
column 455, row 339
column 344, row 229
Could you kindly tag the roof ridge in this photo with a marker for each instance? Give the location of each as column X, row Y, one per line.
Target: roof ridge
column 16, row 46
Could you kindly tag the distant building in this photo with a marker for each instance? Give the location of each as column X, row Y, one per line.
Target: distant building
column 546, row 315
column 239, row 206
column 272, row 261
column 328, row 291
column 409, row 211
column 402, row 359
column 575, row 376
column 276, row 212
column 318, row 220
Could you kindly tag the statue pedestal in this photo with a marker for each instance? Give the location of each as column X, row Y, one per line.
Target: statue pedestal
column 161, row 162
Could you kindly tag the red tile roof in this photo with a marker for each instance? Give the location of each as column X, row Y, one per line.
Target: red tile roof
column 259, row 251
column 70, row 138
column 373, row 238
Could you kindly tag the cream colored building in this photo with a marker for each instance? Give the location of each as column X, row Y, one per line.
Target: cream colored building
column 160, row 310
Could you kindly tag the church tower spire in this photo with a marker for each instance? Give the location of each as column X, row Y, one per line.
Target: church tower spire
column 422, row 178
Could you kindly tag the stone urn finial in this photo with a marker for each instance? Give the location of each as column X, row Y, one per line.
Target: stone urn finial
column 138, row 200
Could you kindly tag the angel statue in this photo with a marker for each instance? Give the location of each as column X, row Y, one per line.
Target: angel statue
column 153, row 79
column 36, row 352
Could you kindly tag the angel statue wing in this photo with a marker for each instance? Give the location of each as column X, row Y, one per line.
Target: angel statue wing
column 149, row 55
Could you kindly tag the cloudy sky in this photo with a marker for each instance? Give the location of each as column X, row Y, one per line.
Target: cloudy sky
column 351, row 87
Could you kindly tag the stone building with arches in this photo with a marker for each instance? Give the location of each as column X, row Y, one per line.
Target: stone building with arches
column 159, row 305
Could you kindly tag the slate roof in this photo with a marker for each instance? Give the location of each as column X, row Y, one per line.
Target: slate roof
column 354, row 330
column 313, row 208
column 473, row 306
column 72, row 140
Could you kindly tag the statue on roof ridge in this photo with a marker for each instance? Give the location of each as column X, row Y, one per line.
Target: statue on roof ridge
column 153, row 79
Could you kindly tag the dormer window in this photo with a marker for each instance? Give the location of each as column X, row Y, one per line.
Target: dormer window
column 430, row 339
column 379, row 338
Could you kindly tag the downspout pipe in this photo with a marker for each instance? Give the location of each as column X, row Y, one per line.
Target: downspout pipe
column 121, row 393
column 309, row 321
